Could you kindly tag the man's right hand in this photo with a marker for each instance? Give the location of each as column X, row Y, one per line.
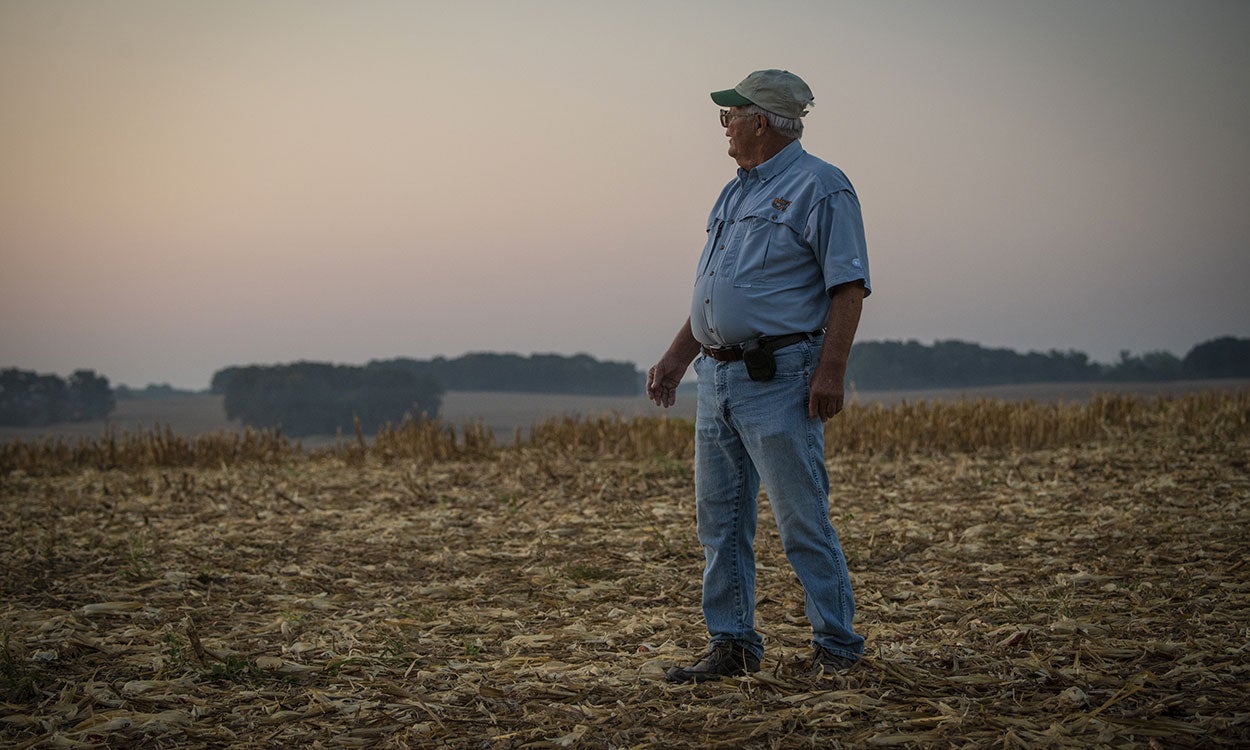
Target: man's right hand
column 663, row 379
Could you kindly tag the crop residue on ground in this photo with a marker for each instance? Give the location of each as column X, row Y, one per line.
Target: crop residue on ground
column 1090, row 592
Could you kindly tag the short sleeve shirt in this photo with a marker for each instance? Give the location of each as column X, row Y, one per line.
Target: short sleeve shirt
column 779, row 239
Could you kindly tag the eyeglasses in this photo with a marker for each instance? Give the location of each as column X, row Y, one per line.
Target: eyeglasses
column 726, row 116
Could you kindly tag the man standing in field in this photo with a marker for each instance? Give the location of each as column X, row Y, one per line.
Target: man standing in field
column 777, row 299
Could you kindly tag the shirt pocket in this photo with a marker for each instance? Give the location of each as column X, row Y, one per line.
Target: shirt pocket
column 764, row 237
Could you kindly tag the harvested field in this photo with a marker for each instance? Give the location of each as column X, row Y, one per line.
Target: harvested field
column 1027, row 575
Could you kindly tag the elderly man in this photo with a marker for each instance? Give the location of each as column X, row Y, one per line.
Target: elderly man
column 777, row 299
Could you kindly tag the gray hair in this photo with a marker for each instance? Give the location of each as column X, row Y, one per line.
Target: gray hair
column 789, row 127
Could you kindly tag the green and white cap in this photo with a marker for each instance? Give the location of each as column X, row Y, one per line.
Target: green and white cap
column 778, row 91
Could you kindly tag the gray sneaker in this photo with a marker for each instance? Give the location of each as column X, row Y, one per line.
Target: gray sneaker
column 723, row 659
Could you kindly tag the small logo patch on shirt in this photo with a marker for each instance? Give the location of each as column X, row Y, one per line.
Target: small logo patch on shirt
column 781, row 204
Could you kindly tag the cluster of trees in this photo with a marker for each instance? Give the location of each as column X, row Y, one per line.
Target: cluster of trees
column 579, row 374
column 315, row 398
column 28, row 399
column 1225, row 357
column 124, row 392
column 886, row 365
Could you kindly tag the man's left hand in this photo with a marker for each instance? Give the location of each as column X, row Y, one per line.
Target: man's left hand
column 827, row 392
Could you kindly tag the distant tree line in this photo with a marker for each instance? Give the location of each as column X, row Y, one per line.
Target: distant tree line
column 316, row 398
column 892, row 365
column 28, row 399
column 307, row 398
column 151, row 391
column 579, row 374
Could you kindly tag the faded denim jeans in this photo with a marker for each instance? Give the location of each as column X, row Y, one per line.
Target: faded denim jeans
column 747, row 432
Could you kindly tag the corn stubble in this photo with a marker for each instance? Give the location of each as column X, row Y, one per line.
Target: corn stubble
column 1028, row 575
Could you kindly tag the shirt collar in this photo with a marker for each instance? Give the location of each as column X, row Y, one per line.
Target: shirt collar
column 776, row 165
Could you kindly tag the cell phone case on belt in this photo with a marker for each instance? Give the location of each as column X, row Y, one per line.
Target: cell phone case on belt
column 760, row 362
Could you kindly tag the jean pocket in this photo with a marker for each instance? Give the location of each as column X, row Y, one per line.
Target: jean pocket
column 795, row 361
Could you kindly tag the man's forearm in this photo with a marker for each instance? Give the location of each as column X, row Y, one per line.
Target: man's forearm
column 685, row 346
column 844, row 310
column 666, row 375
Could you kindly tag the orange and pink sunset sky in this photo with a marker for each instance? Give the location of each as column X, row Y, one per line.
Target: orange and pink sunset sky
column 190, row 185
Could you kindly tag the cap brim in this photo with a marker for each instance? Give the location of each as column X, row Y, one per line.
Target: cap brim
column 730, row 98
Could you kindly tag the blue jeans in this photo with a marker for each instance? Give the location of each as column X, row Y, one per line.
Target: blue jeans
column 747, row 432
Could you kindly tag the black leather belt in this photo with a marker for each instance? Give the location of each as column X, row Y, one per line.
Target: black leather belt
column 771, row 343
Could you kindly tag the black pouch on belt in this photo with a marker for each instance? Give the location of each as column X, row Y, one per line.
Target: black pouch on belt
column 760, row 362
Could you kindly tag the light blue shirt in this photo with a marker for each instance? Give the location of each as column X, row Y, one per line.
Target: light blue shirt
column 779, row 239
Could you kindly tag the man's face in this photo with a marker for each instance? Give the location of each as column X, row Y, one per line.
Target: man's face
column 741, row 131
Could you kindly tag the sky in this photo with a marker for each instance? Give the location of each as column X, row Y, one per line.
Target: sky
column 186, row 186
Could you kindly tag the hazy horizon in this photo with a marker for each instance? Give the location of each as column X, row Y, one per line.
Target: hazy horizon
column 690, row 377
column 186, row 186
